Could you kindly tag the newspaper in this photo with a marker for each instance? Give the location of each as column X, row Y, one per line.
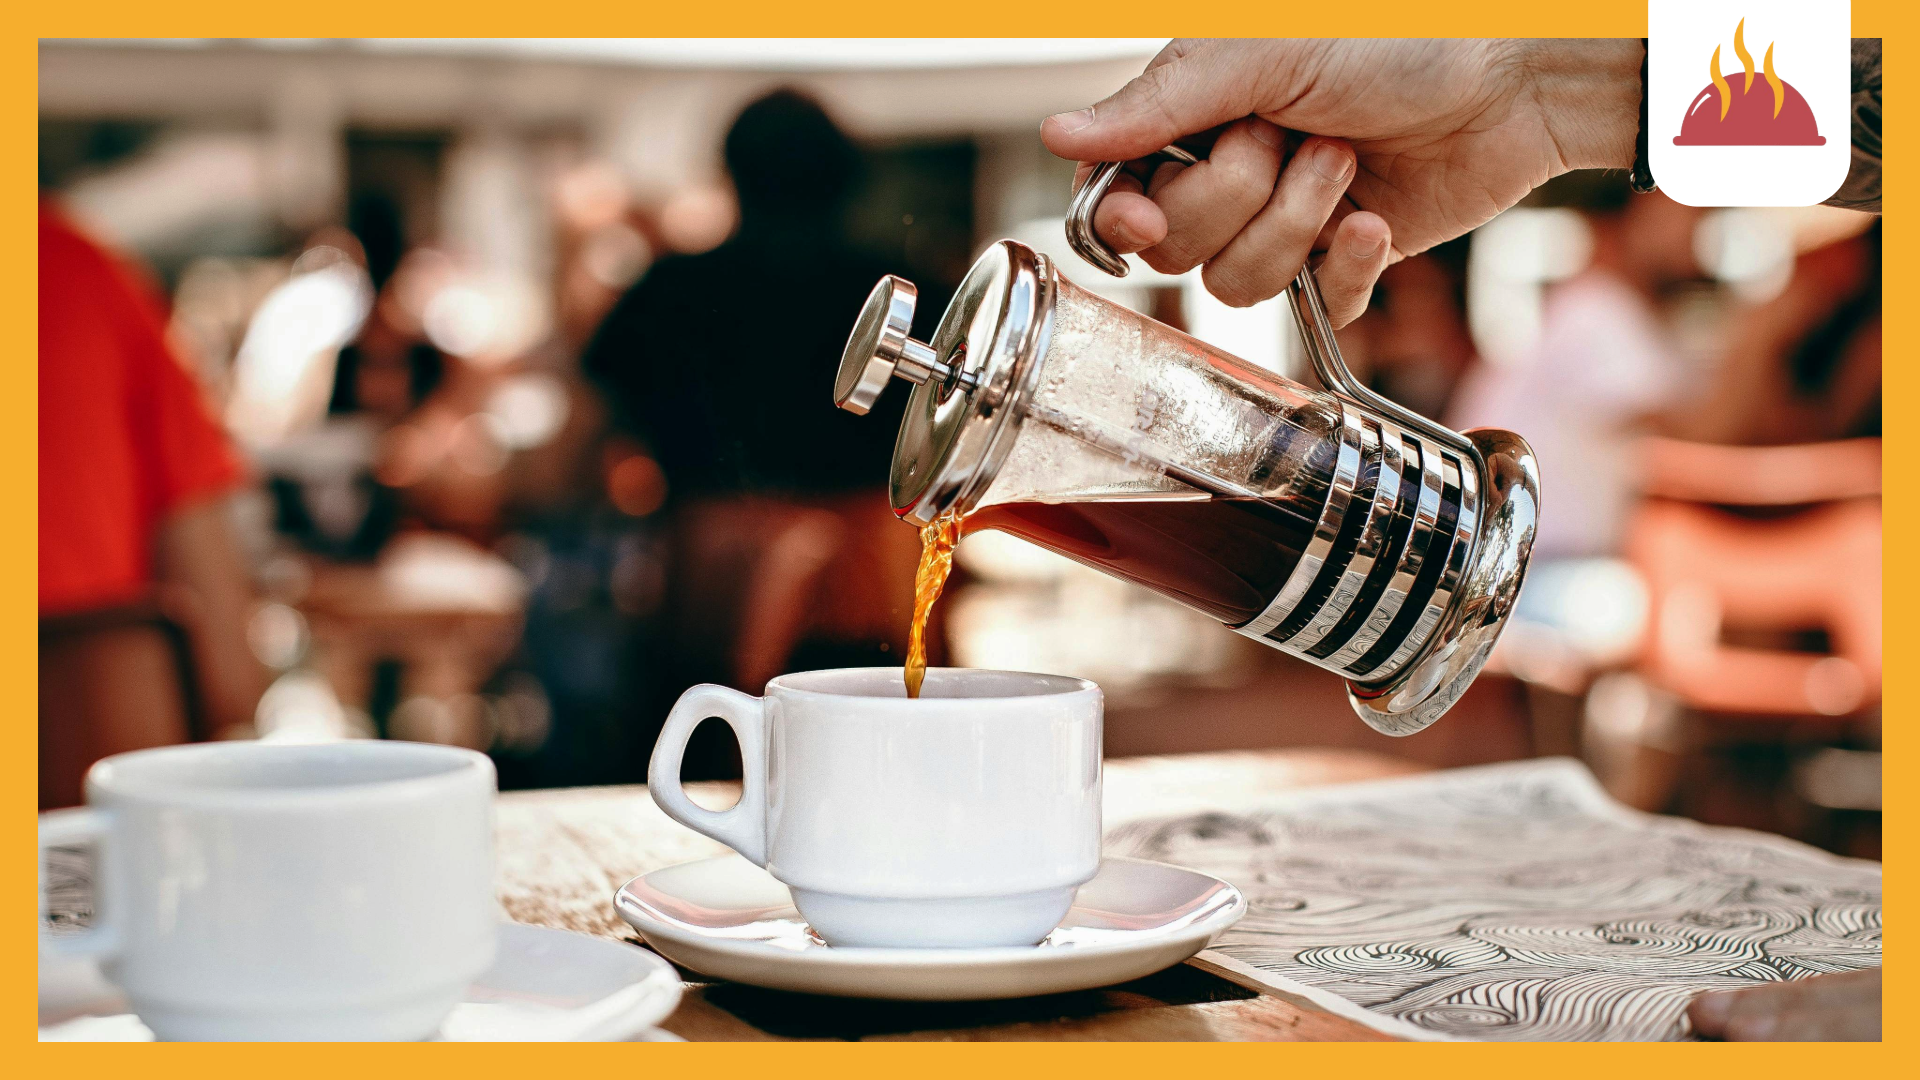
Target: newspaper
column 1514, row 902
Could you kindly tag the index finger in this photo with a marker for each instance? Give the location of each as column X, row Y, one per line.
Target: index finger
column 1176, row 98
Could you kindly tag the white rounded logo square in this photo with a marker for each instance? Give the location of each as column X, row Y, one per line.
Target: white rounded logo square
column 1748, row 101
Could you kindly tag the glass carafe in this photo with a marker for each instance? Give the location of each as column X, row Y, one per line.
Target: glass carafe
column 1329, row 523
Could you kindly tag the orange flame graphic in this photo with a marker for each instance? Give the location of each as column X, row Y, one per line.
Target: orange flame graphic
column 1779, row 88
column 1720, row 84
column 1746, row 61
column 1740, row 50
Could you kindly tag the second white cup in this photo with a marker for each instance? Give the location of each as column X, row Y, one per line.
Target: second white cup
column 251, row 891
column 965, row 818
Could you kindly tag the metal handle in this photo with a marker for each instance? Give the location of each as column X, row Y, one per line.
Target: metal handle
column 1323, row 352
column 1303, row 295
column 1080, row 234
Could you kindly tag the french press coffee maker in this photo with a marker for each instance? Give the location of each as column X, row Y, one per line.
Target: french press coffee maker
column 1332, row 524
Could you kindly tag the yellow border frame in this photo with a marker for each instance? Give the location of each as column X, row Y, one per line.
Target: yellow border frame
column 1412, row 18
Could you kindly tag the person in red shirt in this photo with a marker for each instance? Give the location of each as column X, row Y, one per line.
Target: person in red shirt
column 137, row 556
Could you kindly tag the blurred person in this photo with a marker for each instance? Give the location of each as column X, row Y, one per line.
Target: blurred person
column 1805, row 364
column 714, row 359
column 1414, row 336
column 783, row 551
column 1409, row 143
column 384, row 375
column 134, row 534
column 1601, row 368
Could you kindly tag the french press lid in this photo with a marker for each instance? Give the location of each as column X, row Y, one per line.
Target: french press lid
column 974, row 375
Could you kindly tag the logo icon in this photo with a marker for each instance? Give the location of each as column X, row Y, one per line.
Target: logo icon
column 1749, row 136
column 1726, row 114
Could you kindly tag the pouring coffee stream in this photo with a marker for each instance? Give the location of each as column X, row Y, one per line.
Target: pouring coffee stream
column 1332, row 524
column 937, row 541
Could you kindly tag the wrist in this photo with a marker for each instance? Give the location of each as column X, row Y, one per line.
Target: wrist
column 1588, row 93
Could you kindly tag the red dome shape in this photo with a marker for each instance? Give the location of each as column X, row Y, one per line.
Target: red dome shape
column 1750, row 119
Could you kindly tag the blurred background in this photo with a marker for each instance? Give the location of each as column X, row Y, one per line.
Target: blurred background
column 489, row 406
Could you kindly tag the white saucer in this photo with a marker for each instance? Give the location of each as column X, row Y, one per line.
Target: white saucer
column 544, row 986
column 729, row 918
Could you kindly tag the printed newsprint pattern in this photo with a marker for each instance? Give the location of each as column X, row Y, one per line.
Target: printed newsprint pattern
column 1514, row 902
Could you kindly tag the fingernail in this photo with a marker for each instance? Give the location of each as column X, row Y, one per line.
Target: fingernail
column 1070, row 122
column 1124, row 234
column 1268, row 134
column 1361, row 249
column 1329, row 162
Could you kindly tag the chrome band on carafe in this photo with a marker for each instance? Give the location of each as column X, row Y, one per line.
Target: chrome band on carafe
column 1459, row 550
column 1412, row 555
column 1368, row 547
column 1359, row 580
column 1346, row 474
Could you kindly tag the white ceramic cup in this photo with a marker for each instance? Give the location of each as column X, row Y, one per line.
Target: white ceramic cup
column 341, row 891
column 965, row 818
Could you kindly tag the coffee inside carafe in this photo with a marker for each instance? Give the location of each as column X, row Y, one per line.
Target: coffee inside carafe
column 1226, row 557
column 1230, row 556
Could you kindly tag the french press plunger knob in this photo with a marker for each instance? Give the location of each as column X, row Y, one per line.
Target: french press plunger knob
column 883, row 336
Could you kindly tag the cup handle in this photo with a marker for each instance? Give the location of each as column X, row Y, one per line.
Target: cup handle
column 61, row 828
column 743, row 827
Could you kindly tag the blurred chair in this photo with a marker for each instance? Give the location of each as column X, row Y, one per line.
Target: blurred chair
column 869, row 601
column 111, row 680
column 1710, row 570
column 744, row 575
column 1772, row 612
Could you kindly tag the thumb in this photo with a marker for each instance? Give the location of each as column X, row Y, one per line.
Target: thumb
column 1175, row 99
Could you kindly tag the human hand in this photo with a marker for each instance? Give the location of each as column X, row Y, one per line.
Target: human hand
column 1824, row 1008
column 1412, row 143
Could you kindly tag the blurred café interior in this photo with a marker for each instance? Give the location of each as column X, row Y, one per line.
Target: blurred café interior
column 520, row 352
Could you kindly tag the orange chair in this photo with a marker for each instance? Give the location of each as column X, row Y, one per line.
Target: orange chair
column 1711, row 572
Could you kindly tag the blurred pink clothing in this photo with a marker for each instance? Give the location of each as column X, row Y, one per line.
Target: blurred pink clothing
column 1600, row 364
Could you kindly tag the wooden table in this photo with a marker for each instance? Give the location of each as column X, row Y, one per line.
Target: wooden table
column 563, row 853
